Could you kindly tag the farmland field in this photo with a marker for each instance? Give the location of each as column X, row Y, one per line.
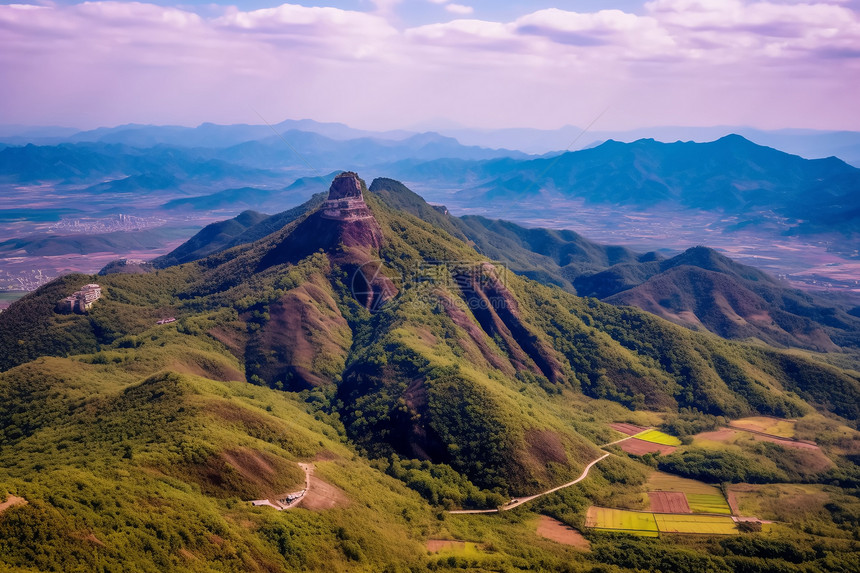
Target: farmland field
column 658, row 437
column 661, row 481
column 641, row 447
column 782, row 502
column 705, row 524
column 772, row 426
column 635, row 522
column 625, row 428
column 653, row 524
column 668, row 502
column 708, row 503
column 557, row 531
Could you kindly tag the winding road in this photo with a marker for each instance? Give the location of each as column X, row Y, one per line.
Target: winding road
column 309, row 470
column 523, row 500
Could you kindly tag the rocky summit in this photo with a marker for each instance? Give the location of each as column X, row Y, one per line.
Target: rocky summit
column 345, row 201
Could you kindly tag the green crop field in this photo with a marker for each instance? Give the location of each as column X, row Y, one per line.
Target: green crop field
column 658, row 437
column 708, row 503
column 703, row 524
column 639, row 523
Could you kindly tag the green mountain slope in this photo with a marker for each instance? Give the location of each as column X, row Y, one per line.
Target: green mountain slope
column 702, row 289
column 355, row 332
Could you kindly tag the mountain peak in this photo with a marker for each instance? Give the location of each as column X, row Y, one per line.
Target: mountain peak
column 345, row 201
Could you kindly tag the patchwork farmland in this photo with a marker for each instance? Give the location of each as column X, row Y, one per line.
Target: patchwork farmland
column 643, row 440
column 634, row 522
column 699, row 496
column 658, row 437
column 668, row 502
column 653, row 524
column 639, row 447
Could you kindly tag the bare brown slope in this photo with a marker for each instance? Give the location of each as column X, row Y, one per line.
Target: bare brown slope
column 305, row 342
column 497, row 311
column 704, row 299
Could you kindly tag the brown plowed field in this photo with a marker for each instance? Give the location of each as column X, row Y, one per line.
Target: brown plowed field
column 639, row 447
column 730, row 434
column 669, row 502
column 560, row 533
column 629, row 429
column 732, row 498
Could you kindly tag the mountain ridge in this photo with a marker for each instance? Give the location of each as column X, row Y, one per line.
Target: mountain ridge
column 780, row 315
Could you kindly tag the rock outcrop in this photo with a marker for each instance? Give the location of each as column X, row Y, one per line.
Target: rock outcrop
column 345, row 201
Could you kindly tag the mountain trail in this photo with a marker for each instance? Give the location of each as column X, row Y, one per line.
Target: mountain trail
column 522, row 500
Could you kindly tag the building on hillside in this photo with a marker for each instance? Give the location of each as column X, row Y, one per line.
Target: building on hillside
column 82, row 300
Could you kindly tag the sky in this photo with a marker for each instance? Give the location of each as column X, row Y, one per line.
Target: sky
column 393, row 64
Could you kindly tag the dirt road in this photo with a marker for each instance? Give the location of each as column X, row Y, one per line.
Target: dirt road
column 518, row 502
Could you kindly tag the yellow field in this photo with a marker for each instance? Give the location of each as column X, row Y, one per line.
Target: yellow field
column 703, row 524
column 652, row 524
column 708, row 503
column 660, row 481
column 658, row 437
column 772, row 426
column 635, row 522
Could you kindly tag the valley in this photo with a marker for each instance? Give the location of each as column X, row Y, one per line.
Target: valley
column 362, row 334
column 140, row 202
column 822, row 263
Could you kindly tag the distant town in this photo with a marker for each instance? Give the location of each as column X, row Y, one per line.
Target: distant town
column 120, row 222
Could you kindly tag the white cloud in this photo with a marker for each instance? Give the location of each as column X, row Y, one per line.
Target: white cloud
column 677, row 59
column 459, row 9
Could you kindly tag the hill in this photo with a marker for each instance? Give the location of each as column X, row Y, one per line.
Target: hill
column 730, row 175
column 702, row 289
column 698, row 289
column 413, row 372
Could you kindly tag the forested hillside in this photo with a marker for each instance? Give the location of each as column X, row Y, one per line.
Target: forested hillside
column 414, row 372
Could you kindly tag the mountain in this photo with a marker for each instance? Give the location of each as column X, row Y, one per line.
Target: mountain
column 702, row 289
column 243, row 229
column 731, row 176
column 126, row 165
column 808, row 143
column 298, row 149
column 149, row 169
column 51, row 245
column 228, row 198
column 307, row 272
column 404, row 371
column 699, row 289
column 212, row 135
